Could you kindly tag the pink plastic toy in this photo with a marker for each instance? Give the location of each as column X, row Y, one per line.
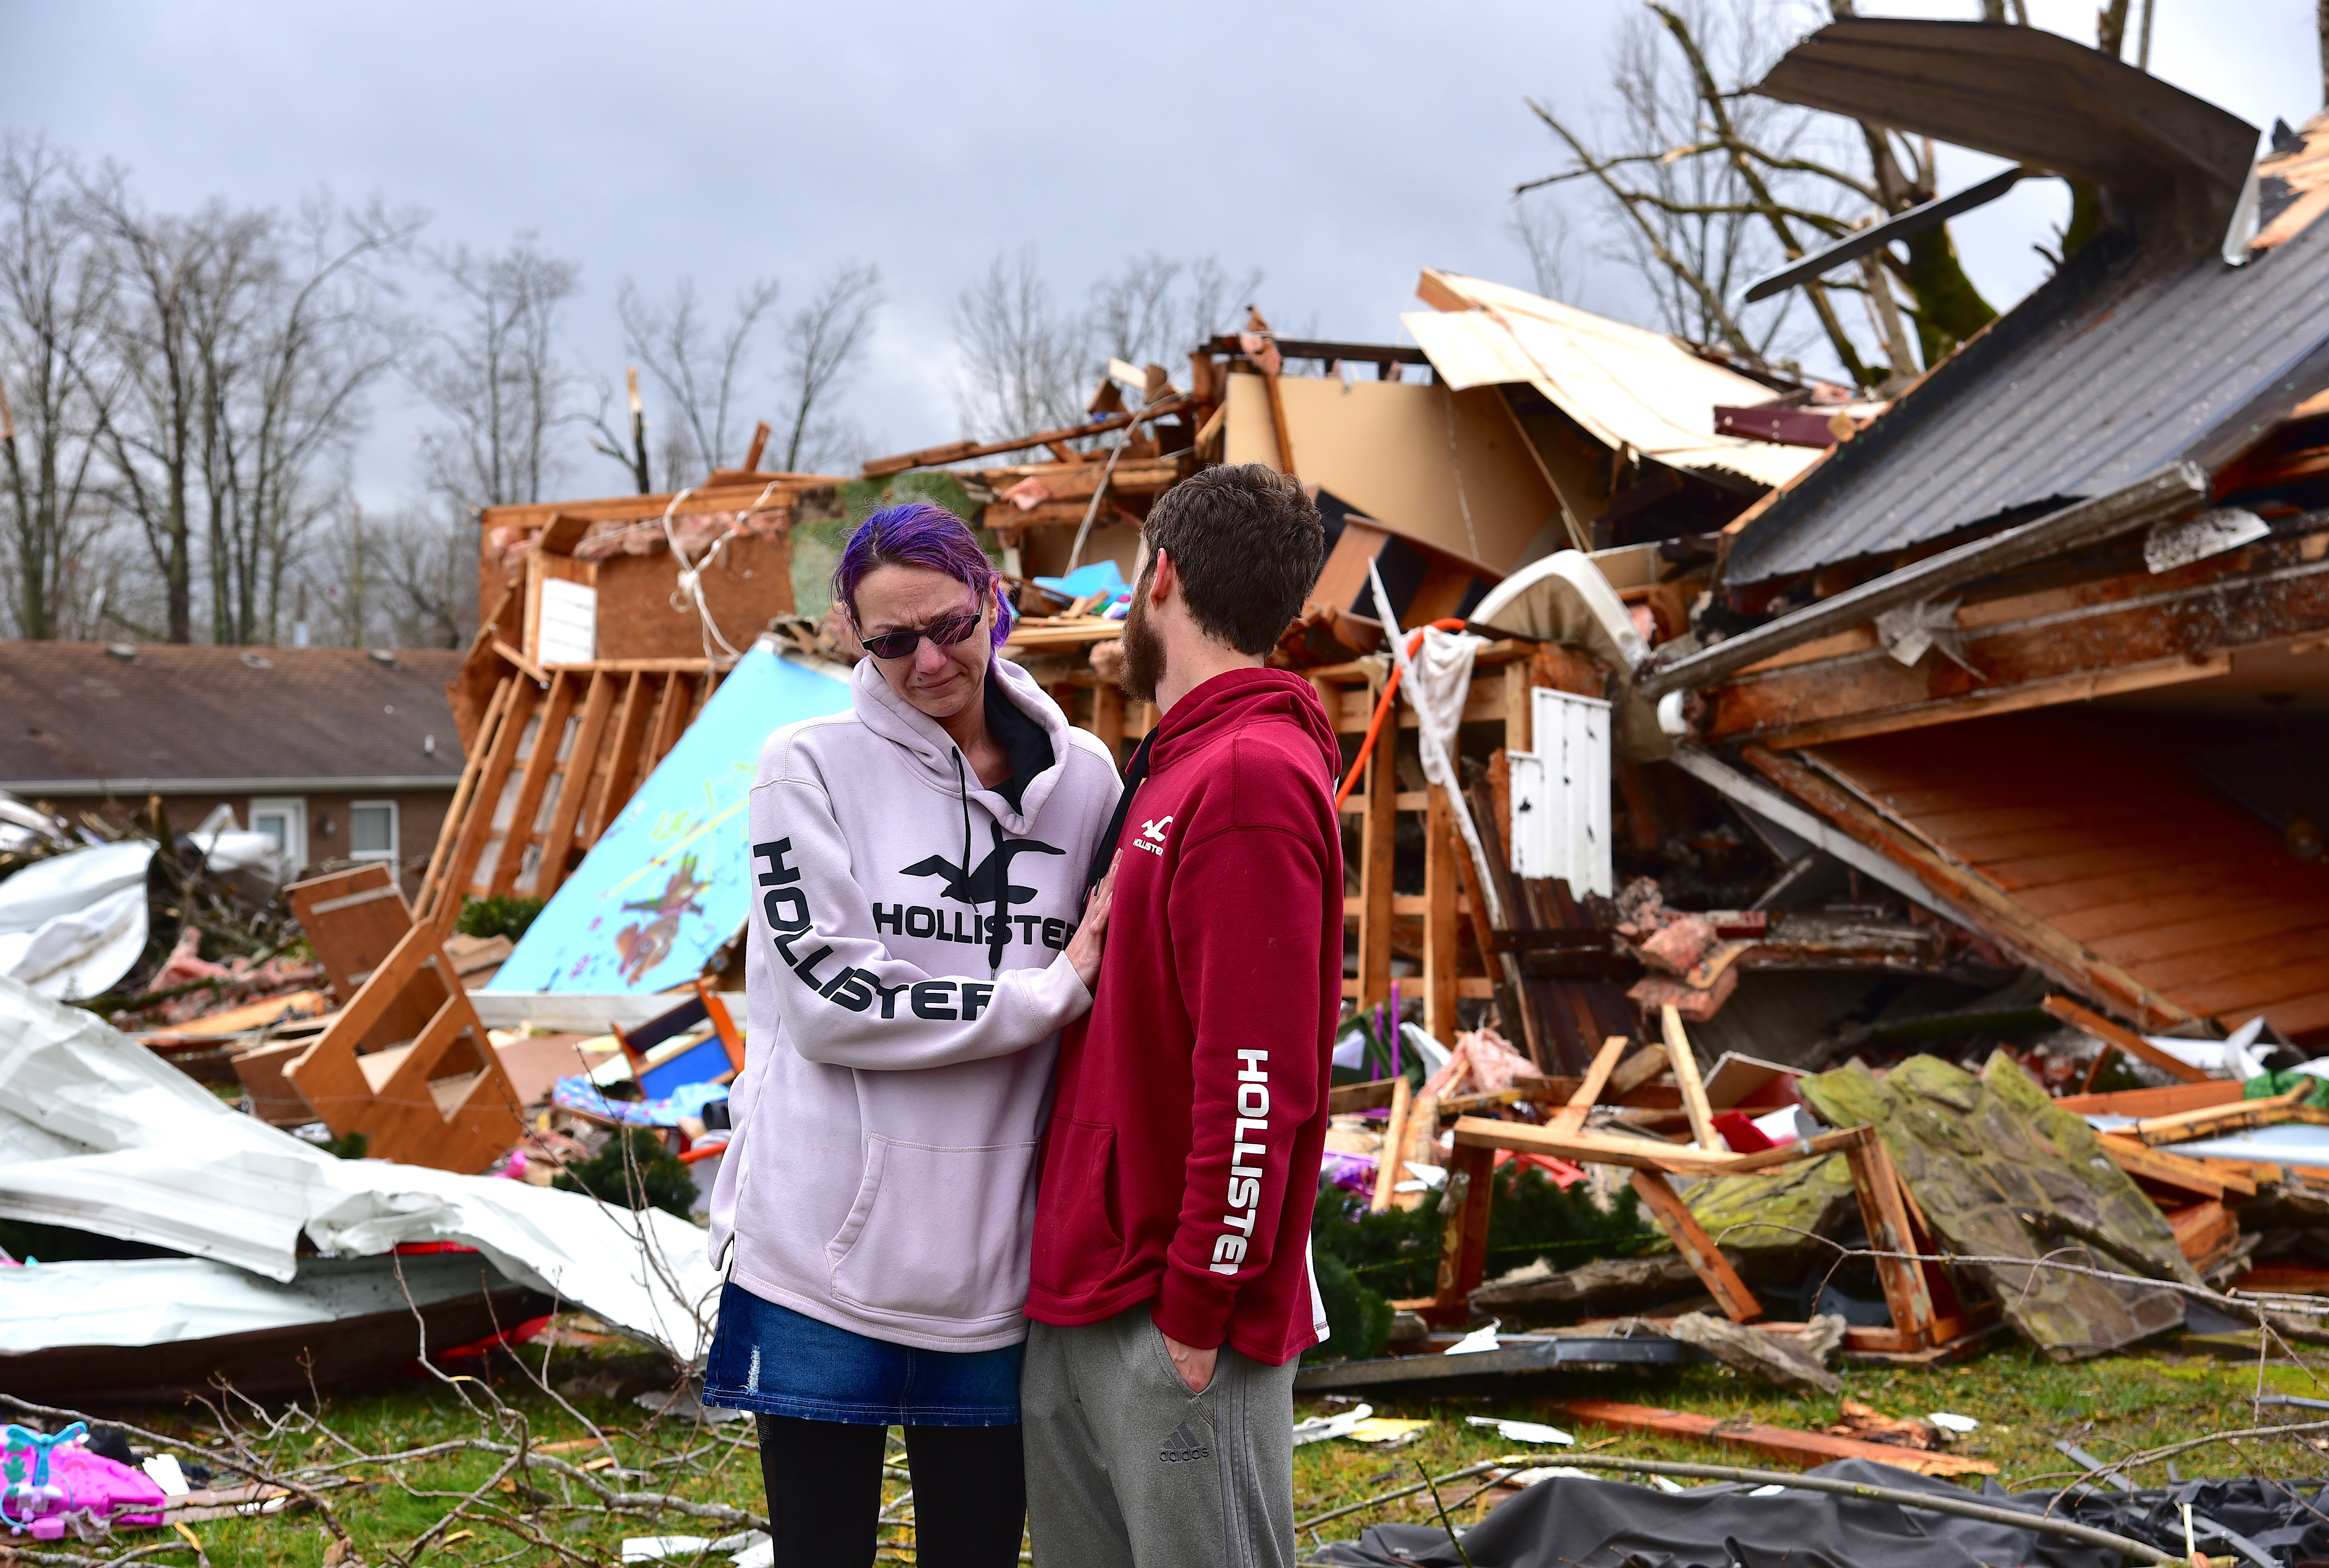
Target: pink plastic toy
column 49, row 1484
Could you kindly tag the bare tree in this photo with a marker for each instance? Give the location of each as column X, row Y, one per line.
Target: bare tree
column 286, row 360
column 243, row 344
column 496, row 378
column 698, row 373
column 1157, row 310
column 823, row 340
column 57, row 286
column 1542, row 231
column 1712, row 186
column 423, row 578
column 153, row 431
column 1024, row 357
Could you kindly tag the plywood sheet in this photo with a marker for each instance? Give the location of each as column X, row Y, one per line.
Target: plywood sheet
column 2097, row 823
column 1447, row 470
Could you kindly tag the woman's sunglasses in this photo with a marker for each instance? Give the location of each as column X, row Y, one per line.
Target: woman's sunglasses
column 945, row 633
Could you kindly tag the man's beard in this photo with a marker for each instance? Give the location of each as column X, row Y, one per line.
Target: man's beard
column 1143, row 650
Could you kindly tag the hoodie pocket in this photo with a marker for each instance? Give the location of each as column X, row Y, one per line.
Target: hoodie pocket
column 936, row 1232
column 1081, row 1239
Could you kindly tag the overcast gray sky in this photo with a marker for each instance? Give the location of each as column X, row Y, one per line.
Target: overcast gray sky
column 1338, row 147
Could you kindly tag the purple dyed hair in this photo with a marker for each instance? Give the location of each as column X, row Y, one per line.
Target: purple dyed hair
column 919, row 534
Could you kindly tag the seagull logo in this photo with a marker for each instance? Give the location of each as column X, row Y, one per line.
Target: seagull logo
column 989, row 881
column 1152, row 835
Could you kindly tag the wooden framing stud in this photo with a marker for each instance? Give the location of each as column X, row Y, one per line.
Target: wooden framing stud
column 1884, row 1211
column 1463, row 1234
column 1696, row 1247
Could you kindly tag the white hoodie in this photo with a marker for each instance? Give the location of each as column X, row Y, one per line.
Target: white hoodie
column 907, row 983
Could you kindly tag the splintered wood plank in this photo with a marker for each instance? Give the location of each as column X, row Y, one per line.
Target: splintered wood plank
column 1394, row 1143
column 671, row 718
column 477, row 822
column 1803, row 1448
column 1463, row 1235
column 2145, row 1163
column 1440, row 930
column 1885, row 1213
column 548, row 740
column 2203, row 1231
column 2118, row 1038
column 574, row 784
column 1696, row 1247
column 1378, row 843
column 1570, row 1117
column 622, row 770
column 480, row 745
column 1685, row 1061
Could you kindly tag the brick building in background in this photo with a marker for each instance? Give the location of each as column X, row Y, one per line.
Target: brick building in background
column 342, row 755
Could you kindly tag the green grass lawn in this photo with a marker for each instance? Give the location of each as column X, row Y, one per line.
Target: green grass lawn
column 2024, row 1402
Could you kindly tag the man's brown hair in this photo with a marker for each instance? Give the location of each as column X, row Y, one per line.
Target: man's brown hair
column 1247, row 543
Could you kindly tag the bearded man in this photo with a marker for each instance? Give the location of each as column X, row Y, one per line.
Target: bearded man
column 1171, row 1292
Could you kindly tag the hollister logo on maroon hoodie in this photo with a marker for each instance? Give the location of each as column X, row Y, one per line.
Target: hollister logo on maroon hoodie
column 1182, row 1155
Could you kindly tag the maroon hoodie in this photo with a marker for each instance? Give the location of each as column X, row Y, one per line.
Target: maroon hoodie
column 1182, row 1161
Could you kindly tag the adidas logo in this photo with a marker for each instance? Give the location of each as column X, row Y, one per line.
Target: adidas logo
column 1183, row 1446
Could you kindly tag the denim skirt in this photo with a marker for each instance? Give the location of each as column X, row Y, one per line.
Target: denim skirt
column 774, row 1361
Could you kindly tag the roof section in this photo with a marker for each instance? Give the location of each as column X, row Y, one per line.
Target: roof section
column 1626, row 386
column 2116, row 368
column 2035, row 97
column 77, row 714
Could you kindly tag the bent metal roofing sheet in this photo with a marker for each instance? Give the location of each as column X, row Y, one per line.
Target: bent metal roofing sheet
column 1627, row 386
column 2118, row 365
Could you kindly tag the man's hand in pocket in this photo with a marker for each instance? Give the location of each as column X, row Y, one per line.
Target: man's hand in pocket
column 1194, row 1365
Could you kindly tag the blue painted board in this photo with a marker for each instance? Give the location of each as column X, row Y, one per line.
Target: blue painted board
column 670, row 880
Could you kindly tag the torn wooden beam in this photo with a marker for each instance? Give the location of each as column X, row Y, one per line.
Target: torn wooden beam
column 2172, row 489
column 1696, row 1247
column 2118, row 1038
column 1803, row 1448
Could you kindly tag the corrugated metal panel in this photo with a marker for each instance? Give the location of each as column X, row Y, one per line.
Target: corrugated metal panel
column 2110, row 370
column 2099, row 824
column 1560, row 795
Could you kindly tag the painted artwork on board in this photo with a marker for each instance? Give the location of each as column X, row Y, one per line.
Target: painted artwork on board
column 669, row 880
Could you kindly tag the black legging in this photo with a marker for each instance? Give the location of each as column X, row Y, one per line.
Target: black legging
column 823, row 1479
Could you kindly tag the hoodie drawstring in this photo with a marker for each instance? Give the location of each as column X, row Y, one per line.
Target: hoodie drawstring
column 962, row 792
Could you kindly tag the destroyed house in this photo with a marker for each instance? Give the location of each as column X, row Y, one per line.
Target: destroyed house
column 341, row 755
column 2041, row 641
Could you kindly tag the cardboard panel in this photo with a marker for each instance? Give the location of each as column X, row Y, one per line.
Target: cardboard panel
column 1447, row 470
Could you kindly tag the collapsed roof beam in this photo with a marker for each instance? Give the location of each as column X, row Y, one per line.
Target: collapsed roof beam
column 1899, row 226
column 2174, row 488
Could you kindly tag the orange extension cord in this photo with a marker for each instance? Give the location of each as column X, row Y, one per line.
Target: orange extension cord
column 1382, row 706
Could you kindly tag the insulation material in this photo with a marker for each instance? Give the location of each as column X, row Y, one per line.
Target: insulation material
column 1560, row 795
column 99, row 1134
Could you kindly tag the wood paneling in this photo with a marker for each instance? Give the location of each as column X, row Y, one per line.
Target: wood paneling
column 2097, row 823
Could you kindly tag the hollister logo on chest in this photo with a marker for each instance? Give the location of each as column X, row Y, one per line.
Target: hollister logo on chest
column 988, row 883
column 1150, row 837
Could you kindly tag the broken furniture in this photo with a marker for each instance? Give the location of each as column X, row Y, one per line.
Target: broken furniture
column 715, row 1058
column 405, row 1062
column 1928, row 1320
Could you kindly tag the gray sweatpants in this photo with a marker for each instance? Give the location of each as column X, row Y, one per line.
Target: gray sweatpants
column 1126, row 1468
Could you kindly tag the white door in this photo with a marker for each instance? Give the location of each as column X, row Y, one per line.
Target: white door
column 283, row 818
